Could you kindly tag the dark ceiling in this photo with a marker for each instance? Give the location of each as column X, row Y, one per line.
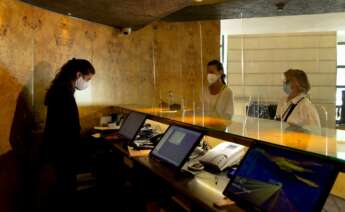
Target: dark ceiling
column 118, row 13
column 231, row 9
column 138, row 13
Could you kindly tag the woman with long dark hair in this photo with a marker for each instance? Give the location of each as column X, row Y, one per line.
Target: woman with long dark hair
column 62, row 130
column 218, row 99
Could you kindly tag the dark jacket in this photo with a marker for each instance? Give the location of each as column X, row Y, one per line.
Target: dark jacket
column 62, row 129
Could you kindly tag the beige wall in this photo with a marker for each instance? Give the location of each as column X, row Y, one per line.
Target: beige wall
column 139, row 68
column 256, row 63
column 285, row 24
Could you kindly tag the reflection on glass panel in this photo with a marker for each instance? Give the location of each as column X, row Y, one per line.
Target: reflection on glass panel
column 262, row 108
column 341, row 144
column 341, row 36
column 341, row 137
column 339, row 96
column 341, row 76
column 340, row 55
column 254, row 58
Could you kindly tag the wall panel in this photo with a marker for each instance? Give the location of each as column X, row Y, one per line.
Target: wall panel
column 140, row 68
column 256, row 62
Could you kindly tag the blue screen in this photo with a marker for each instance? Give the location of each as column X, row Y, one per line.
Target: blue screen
column 275, row 179
column 175, row 145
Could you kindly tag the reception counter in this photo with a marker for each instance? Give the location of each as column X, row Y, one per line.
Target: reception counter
column 329, row 143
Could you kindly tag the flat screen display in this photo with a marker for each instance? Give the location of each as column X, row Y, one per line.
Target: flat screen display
column 131, row 125
column 271, row 178
column 176, row 145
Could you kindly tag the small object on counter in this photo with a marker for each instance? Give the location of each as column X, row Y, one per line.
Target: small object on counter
column 143, row 144
column 196, row 166
column 104, row 120
column 96, row 135
column 175, row 107
column 113, row 137
column 138, row 153
column 109, row 127
column 223, row 202
column 163, row 104
column 113, row 126
column 116, row 117
column 232, row 171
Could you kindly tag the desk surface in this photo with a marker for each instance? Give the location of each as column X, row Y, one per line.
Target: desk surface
column 204, row 189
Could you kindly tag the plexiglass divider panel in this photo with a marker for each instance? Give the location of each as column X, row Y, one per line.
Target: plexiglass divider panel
column 256, row 59
column 256, row 54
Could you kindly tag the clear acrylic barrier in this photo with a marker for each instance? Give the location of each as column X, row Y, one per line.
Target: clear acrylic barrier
column 318, row 140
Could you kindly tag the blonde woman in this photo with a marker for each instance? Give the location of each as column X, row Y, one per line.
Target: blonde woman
column 296, row 108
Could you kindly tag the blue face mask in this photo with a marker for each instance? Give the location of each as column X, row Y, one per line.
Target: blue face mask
column 287, row 88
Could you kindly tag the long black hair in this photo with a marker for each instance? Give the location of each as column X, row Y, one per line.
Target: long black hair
column 219, row 67
column 68, row 74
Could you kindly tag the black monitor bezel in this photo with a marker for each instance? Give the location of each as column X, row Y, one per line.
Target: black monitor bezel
column 251, row 207
column 179, row 167
column 137, row 131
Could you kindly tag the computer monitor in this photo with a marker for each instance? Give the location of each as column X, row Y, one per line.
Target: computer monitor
column 176, row 145
column 132, row 125
column 274, row 178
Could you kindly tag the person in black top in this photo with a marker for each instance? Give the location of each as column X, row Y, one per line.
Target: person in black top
column 62, row 130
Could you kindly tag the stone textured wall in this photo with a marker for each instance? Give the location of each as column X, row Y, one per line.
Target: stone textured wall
column 35, row 43
column 140, row 68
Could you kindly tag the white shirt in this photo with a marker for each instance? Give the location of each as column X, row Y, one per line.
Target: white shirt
column 304, row 114
column 221, row 104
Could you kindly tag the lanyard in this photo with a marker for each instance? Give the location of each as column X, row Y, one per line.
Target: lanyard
column 290, row 109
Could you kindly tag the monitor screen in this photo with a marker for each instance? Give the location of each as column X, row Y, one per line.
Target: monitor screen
column 131, row 125
column 176, row 145
column 271, row 178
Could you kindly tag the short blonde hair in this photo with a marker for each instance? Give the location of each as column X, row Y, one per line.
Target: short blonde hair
column 300, row 76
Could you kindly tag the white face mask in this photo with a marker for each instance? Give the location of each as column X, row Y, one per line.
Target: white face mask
column 81, row 84
column 212, row 78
